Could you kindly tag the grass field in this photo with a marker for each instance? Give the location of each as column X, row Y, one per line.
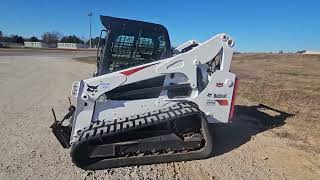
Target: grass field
column 288, row 82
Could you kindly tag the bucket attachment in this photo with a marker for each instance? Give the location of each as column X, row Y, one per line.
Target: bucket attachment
column 61, row 132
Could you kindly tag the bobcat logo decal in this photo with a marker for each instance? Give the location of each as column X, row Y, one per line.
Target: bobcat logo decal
column 92, row 88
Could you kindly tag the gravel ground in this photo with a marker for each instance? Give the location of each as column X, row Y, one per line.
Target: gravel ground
column 32, row 83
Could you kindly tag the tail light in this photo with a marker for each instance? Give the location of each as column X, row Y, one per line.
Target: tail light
column 235, row 89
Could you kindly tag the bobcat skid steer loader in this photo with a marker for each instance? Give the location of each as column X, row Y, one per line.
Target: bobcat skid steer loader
column 148, row 103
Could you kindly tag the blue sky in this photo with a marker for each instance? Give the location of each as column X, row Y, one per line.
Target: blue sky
column 256, row 25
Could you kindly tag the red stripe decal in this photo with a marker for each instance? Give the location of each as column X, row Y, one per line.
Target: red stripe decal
column 222, row 102
column 131, row 71
column 235, row 89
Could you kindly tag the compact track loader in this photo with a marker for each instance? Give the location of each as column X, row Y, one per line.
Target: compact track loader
column 147, row 102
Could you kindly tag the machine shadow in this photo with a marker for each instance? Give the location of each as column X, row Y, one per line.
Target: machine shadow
column 248, row 121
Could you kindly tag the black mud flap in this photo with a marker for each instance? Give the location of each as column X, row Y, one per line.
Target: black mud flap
column 62, row 133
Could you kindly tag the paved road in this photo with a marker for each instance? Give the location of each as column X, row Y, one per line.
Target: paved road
column 45, row 52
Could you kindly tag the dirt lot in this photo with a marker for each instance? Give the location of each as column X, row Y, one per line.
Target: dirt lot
column 254, row 146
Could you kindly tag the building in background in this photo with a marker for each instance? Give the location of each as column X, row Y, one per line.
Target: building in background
column 311, row 52
column 36, row 45
column 71, row 46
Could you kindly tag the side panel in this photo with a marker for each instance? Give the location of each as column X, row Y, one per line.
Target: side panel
column 215, row 100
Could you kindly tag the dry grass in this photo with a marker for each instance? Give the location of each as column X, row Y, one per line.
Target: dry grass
column 288, row 82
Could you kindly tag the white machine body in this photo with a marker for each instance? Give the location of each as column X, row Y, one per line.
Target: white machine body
column 215, row 97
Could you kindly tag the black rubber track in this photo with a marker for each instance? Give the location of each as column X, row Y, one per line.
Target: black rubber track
column 100, row 130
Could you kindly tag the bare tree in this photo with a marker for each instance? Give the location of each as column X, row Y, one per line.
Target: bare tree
column 94, row 41
column 51, row 37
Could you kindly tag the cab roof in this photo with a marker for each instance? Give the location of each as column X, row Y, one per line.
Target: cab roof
column 114, row 23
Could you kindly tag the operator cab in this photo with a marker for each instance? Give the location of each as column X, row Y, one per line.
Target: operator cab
column 128, row 43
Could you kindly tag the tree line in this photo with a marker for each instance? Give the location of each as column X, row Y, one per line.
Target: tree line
column 52, row 37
